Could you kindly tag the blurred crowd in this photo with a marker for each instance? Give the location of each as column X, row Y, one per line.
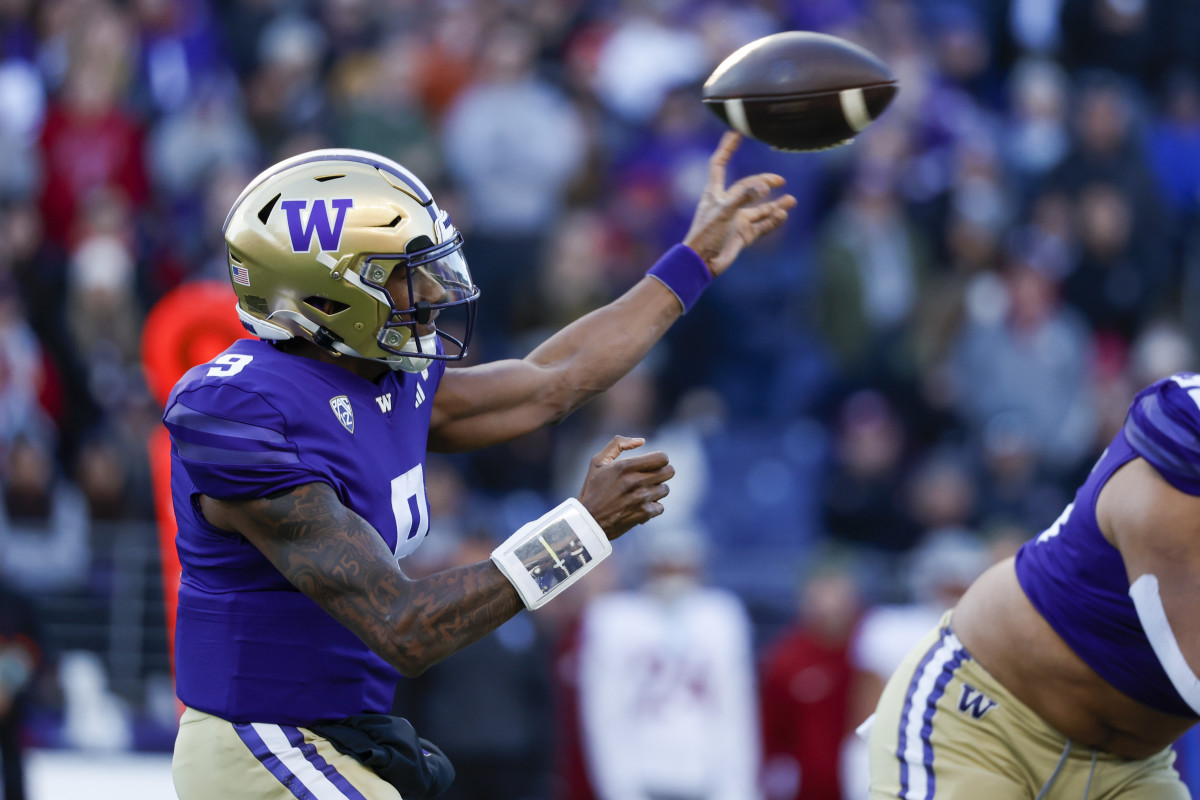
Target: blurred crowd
column 936, row 348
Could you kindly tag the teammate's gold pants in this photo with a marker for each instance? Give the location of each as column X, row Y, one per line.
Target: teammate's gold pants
column 945, row 729
column 216, row 759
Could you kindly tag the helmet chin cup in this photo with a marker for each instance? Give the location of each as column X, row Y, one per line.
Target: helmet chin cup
column 411, row 363
column 262, row 328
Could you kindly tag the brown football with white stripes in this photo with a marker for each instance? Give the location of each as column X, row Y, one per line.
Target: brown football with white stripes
column 800, row 90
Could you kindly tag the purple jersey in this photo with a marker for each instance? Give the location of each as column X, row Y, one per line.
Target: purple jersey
column 249, row 646
column 1077, row 580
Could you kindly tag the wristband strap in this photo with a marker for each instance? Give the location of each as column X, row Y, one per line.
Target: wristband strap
column 554, row 551
column 684, row 273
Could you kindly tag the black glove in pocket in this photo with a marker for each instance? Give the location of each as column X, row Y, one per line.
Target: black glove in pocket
column 390, row 747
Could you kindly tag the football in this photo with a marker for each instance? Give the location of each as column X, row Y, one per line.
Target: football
column 800, row 90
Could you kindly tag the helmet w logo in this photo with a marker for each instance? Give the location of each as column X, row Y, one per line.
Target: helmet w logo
column 329, row 233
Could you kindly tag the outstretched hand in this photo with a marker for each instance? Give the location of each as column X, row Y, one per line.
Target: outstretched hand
column 728, row 219
column 622, row 492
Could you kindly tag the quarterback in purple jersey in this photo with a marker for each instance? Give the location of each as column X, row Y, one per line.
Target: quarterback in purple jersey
column 1068, row 671
column 297, row 465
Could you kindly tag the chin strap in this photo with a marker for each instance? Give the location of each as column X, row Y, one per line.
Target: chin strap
column 261, row 327
column 272, row 331
column 415, row 364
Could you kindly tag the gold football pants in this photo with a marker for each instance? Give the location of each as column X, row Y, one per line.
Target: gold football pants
column 215, row 758
column 945, row 729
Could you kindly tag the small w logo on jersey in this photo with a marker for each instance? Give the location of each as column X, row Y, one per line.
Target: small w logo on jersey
column 385, row 403
column 341, row 408
column 329, row 234
column 975, row 702
column 420, row 397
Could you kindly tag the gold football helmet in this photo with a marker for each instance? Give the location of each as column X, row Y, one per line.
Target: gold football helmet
column 312, row 242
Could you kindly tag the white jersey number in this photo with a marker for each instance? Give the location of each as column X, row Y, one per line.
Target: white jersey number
column 410, row 509
column 1056, row 528
column 233, row 364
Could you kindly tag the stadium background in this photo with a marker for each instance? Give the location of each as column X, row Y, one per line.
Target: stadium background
column 943, row 338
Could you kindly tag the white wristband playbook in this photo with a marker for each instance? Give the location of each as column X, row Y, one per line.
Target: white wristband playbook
column 547, row 555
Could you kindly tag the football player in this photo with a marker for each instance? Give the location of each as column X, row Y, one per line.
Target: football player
column 1069, row 670
column 297, row 469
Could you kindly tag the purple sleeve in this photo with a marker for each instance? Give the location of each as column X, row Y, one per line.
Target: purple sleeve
column 234, row 443
column 1163, row 427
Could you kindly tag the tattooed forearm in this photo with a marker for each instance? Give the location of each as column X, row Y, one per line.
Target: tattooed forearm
column 443, row 624
column 336, row 558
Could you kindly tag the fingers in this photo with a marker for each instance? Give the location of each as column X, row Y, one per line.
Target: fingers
column 625, row 492
column 616, row 446
column 765, row 226
column 620, row 492
column 720, row 159
column 645, row 477
column 648, row 462
column 747, row 192
column 646, row 503
column 652, row 507
column 652, row 488
column 784, row 203
column 777, row 209
column 753, row 188
column 767, row 217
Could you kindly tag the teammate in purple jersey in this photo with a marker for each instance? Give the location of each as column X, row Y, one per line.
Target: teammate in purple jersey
column 297, row 469
column 1068, row 671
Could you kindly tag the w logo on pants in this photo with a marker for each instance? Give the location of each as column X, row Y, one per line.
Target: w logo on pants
column 329, row 234
column 975, row 702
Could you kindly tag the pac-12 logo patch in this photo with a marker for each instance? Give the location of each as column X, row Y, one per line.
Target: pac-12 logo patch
column 345, row 414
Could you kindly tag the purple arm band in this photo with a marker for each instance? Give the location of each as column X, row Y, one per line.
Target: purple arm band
column 684, row 273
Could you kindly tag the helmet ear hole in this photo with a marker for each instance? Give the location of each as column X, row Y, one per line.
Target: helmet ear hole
column 325, row 305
